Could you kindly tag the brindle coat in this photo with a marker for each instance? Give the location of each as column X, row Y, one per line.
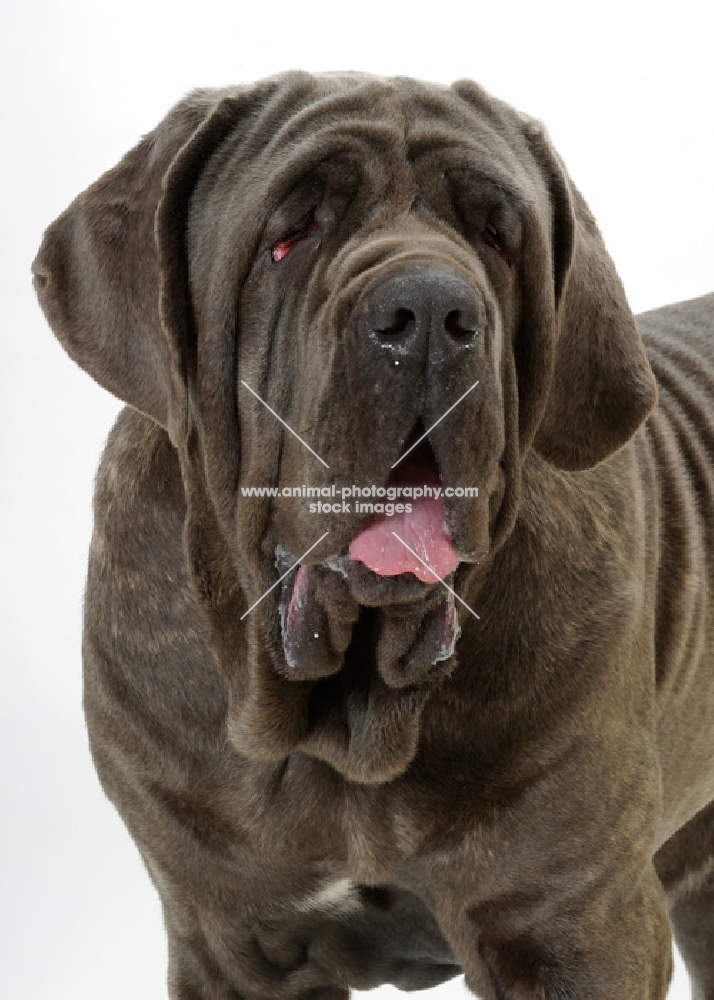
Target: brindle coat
column 533, row 810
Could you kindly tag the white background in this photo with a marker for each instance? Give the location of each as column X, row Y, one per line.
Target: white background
column 626, row 90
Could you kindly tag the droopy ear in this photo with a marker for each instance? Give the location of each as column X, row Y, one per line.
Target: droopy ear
column 602, row 386
column 111, row 273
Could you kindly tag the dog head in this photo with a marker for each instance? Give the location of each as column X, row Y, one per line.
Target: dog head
column 335, row 282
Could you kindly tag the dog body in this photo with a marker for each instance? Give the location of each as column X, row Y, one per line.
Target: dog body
column 355, row 779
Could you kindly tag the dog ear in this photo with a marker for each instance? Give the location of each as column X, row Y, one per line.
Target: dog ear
column 111, row 273
column 602, row 387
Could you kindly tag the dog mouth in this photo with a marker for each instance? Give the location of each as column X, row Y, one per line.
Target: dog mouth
column 395, row 564
column 416, row 538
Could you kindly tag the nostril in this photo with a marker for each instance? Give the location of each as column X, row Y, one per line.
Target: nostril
column 402, row 323
column 459, row 327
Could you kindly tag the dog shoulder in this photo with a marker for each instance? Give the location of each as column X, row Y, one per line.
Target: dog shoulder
column 145, row 639
column 139, row 466
column 691, row 321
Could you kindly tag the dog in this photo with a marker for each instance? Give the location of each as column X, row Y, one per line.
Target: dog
column 354, row 744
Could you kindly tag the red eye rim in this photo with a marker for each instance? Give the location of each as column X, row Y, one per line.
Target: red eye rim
column 494, row 239
column 282, row 247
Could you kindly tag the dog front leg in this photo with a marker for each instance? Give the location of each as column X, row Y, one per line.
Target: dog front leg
column 611, row 946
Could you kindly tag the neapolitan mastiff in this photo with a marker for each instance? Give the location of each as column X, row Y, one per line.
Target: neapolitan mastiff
column 361, row 781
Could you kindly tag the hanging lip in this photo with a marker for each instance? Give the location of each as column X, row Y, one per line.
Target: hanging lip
column 315, row 634
column 367, row 587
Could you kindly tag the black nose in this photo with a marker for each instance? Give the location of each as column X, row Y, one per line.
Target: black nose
column 420, row 301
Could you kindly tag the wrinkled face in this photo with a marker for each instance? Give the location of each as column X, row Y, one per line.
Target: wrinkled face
column 375, row 333
column 370, row 301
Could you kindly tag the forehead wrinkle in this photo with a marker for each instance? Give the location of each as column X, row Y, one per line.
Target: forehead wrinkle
column 466, row 110
column 462, row 120
column 261, row 120
column 373, row 104
column 309, row 105
column 372, row 133
column 347, row 139
column 463, row 164
column 464, row 134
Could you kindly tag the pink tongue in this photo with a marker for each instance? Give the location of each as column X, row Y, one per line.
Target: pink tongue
column 422, row 530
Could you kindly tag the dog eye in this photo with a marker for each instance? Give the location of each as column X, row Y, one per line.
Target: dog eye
column 494, row 239
column 282, row 247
